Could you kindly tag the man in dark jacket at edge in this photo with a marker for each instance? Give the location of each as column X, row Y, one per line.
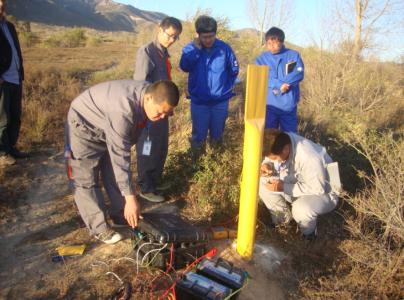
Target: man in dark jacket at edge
column 152, row 64
column 213, row 69
column 11, row 77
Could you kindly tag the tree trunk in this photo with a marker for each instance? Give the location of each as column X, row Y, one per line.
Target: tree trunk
column 357, row 48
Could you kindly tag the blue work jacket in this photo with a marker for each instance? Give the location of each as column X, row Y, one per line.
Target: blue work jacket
column 212, row 72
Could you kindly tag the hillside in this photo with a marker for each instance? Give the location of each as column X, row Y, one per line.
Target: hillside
column 104, row 15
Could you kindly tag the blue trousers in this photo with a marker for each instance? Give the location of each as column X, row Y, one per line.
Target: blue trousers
column 208, row 119
column 279, row 119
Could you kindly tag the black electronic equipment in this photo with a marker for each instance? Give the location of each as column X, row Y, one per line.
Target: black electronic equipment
column 161, row 239
column 194, row 286
column 166, row 228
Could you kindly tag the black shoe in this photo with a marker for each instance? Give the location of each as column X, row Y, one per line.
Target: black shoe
column 14, row 152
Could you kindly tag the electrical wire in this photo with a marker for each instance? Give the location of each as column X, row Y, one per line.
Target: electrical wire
column 153, row 250
column 212, row 252
column 116, row 276
column 236, row 291
column 137, row 254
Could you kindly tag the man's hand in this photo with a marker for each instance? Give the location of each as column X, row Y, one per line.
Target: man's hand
column 197, row 43
column 275, row 186
column 284, row 88
column 132, row 210
column 266, row 170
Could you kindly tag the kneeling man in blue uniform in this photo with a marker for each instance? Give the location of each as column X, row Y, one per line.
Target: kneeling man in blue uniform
column 213, row 69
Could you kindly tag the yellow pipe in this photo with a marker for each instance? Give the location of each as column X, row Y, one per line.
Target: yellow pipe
column 254, row 118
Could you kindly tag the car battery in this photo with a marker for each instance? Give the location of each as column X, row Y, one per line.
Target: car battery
column 185, row 241
column 194, row 286
column 222, row 271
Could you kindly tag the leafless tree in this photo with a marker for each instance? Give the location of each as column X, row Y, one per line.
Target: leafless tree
column 266, row 13
column 367, row 19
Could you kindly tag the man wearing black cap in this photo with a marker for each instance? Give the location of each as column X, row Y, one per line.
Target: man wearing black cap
column 213, row 69
column 286, row 72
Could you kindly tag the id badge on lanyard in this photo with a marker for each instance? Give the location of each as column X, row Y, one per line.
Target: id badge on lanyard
column 147, row 143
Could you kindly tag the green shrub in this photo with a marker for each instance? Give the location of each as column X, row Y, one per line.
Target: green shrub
column 93, row 41
column 28, row 39
column 71, row 38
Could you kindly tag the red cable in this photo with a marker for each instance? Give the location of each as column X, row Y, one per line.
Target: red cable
column 211, row 253
column 170, row 266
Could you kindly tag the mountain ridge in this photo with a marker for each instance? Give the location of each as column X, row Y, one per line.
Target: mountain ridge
column 106, row 15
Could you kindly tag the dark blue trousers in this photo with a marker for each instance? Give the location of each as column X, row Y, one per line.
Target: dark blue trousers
column 206, row 119
column 279, row 119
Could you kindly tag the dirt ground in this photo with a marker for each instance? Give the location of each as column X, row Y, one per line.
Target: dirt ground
column 38, row 214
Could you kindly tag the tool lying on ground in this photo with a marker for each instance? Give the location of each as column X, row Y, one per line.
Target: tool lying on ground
column 64, row 252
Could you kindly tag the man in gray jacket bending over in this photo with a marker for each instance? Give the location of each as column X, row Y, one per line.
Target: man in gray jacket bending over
column 295, row 171
column 103, row 123
column 152, row 64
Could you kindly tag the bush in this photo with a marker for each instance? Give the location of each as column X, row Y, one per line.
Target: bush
column 28, row 39
column 355, row 104
column 71, row 38
column 376, row 253
column 93, row 41
column 47, row 96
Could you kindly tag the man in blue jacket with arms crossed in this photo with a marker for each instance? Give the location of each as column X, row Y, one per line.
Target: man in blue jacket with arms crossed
column 286, row 72
column 213, row 69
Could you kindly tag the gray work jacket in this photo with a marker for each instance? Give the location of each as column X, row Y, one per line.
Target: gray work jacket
column 114, row 110
column 151, row 63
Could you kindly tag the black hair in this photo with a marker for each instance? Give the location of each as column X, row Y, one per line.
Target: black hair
column 164, row 91
column 274, row 141
column 275, row 32
column 168, row 22
column 205, row 24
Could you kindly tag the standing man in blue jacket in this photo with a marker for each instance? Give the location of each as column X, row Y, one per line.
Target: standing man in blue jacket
column 286, row 72
column 213, row 69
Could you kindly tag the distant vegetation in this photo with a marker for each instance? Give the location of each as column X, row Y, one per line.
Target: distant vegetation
column 355, row 109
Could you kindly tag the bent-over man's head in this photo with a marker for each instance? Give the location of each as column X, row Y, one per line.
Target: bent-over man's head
column 160, row 99
column 277, row 145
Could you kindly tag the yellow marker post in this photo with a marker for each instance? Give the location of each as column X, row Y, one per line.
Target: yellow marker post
column 254, row 118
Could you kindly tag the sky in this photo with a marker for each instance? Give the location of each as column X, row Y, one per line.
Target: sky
column 308, row 25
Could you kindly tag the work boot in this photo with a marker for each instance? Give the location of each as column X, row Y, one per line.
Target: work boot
column 14, row 152
column 7, row 160
column 109, row 236
column 152, row 197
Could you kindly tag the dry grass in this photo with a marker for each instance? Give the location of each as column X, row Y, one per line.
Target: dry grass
column 342, row 104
